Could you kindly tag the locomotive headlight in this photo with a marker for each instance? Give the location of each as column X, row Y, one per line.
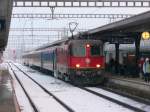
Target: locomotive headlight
column 87, row 45
column 98, row 65
column 78, row 65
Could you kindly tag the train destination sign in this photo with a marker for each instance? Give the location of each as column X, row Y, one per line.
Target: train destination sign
column 2, row 25
column 122, row 41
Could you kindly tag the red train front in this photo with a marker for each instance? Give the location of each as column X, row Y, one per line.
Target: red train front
column 86, row 61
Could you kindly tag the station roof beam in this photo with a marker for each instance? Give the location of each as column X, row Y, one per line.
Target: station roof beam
column 31, row 15
column 81, row 3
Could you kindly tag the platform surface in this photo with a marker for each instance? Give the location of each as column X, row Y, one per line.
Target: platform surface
column 136, row 80
column 6, row 94
column 136, row 83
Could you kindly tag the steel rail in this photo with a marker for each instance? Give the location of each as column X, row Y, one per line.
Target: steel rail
column 113, row 100
column 138, row 99
column 26, row 93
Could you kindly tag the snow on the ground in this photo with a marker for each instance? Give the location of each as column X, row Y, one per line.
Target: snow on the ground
column 3, row 66
column 122, row 99
column 79, row 100
column 43, row 101
column 20, row 95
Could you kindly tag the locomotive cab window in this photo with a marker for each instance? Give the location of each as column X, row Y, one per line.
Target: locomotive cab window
column 95, row 50
column 78, row 50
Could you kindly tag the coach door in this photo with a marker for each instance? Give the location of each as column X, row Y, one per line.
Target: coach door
column 41, row 60
column 55, row 62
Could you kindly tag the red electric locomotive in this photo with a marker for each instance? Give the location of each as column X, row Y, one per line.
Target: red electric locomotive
column 81, row 61
column 78, row 61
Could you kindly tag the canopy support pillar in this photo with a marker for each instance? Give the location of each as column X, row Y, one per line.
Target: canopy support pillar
column 117, row 58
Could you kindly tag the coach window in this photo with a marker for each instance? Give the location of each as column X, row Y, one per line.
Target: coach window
column 95, row 50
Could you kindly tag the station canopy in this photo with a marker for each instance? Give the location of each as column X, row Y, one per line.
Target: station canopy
column 127, row 28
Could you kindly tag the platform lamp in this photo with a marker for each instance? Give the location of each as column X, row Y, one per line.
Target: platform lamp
column 72, row 27
column 146, row 35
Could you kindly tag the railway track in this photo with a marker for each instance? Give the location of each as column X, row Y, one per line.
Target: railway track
column 124, row 94
column 97, row 91
column 24, row 90
column 99, row 94
column 45, row 90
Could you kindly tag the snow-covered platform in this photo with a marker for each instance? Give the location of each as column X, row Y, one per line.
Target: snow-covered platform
column 7, row 103
column 138, row 85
